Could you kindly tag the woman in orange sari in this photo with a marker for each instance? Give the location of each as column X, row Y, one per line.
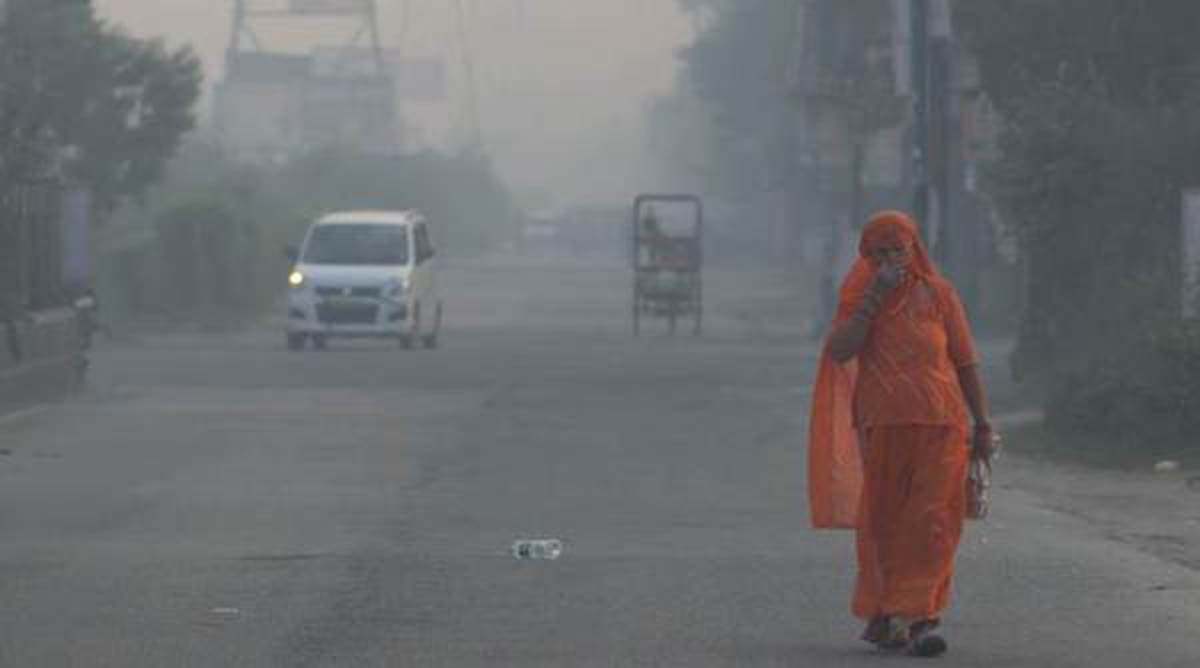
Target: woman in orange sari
column 889, row 438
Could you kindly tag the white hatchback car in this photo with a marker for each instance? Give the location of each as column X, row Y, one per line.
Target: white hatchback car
column 365, row 274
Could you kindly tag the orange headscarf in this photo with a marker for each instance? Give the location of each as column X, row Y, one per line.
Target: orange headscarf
column 834, row 464
column 886, row 227
column 895, row 227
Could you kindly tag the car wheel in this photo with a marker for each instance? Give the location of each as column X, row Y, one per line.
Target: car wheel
column 431, row 341
column 295, row 342
column 409, row 339
column 320, row 342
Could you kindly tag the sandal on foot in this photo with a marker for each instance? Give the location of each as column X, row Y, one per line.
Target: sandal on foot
column 895, row 635
column 924, row 641
column 877, row 630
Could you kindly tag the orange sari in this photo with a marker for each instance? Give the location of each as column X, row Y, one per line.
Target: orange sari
column 888, row 431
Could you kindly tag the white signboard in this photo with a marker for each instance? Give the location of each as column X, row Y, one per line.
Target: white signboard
column 331, row 7
column 415, row 79
column 355, row 61
column 1191, row 253
column 941, row 21
column 76, row 236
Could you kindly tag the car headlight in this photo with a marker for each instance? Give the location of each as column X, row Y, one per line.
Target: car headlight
column 296, row 279
column 397, row 288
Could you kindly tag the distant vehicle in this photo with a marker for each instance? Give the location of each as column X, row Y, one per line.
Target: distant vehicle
column 362, row 274
column 666, row 263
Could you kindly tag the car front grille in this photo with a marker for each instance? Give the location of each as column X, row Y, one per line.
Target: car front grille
column 358, row 291
column 347, row 314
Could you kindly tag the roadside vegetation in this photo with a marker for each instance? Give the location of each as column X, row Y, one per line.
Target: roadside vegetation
column 1099, row 134
column 1102, row 137
column 206, row 245
column 83, row 102
column 180, row 229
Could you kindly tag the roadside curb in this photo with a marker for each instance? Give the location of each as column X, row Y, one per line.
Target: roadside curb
column 1019, row 419
column 23, row 413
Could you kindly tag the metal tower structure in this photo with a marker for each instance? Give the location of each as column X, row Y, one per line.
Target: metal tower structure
column 474, row 128
column 250, row 15
column 274, row 103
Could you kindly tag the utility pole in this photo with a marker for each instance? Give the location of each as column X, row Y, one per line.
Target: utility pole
column 919, row 30
column 942, row 143
column 932, row 167
column 474, row 127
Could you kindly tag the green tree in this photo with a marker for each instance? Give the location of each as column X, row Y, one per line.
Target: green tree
column 1101, row 134
column 79, row 99
column 121, row 105
column 1102, row 130
column 763, row 69
column 738, row 67
column 795, row 90
column 470, row 209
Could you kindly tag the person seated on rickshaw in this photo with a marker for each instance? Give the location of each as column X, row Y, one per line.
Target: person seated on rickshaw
column 666, row 252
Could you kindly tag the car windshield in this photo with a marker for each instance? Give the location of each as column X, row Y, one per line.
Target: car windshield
column 358, row 243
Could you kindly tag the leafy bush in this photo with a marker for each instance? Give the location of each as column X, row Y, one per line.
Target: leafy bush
column 212, row 257
column 1101, row 137
column 209, row 240
column 469, row 208
column 1137, row 401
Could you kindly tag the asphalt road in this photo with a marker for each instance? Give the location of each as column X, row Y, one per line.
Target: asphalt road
column 213, row 500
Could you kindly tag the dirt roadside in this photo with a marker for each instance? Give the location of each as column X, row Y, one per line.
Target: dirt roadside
column 1159, row 513
column 1155, row 512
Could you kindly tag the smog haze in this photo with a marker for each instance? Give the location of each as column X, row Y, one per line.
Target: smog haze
column 562, row 86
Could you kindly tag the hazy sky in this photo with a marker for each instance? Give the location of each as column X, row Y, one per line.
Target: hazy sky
column 562, row 84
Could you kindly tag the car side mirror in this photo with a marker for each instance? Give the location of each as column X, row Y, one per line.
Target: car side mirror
column 291, row 252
